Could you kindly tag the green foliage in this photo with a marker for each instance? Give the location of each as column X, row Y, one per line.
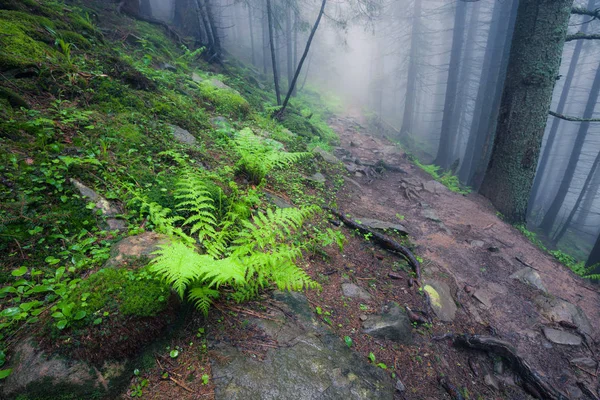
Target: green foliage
column 446, row 179
column 259, row 156
column 224, row 101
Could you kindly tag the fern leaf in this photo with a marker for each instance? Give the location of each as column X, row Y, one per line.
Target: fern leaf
column 202, row 297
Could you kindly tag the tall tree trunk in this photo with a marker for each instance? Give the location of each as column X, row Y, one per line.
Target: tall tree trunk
column 491, row 62
column 145, row 8
column 550, row 217
column 537, row 44
column 273, row 55
column 306, row 50
column 588, row 201
column 251, row 29
column 213, row 27
column 410, row 97
column 582, row 194
column 203, row 25
column 289, row 47
column 594, row 257
column 447, row 135
column 265, row 43
column 560, row 108
column 296, row 22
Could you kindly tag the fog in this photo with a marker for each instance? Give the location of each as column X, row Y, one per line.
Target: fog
column 428, row 74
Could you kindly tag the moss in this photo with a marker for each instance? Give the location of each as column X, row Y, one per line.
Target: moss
column 17, row 47
column 224, row 101
column 74, row 38
column 13, row 98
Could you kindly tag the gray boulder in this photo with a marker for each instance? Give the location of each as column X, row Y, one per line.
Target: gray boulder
column 142, row 245
column 330, row 158
column 441, row 300
column 530, row 277
column 356, row 292
column 183, row 136
column 556, row 309
column 562, row 337
column 392, row 324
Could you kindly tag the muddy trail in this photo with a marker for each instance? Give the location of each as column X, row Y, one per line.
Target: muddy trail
column 501, row 283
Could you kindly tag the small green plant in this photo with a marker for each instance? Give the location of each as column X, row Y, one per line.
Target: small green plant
column 205, row 379
column 348, row 341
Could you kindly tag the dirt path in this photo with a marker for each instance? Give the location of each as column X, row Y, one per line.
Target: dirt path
column 461, row 237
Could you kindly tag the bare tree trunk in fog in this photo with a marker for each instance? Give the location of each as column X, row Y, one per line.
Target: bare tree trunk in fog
column 289, row 47
column 203, row 24
column 491, row 61
column 273, row 55
column 537, row 45
column 265, row 44
column 251, row 29
column 410, row 98
column 560, row 108
column 588, row 201
column 306, row 74
column 550, row 217
column 213, row 27
column 296, row 21
column 464, row 81
column 446, row 135
column 299, row 68
column 582, row 194
column 485, row 142
column 145, row 8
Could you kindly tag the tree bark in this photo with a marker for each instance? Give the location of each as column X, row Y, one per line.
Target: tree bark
column 299, row 68
column 273, row 55
column 447, row 135
column 251, row 29
column 541, row 169
column 213, row 27
column 550, row 217
column 289, row 47
column 537, row 44
column 410, row 98
column 594, row 257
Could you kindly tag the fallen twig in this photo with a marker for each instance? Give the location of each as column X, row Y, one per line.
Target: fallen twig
column 180, row 384
column 382, row 240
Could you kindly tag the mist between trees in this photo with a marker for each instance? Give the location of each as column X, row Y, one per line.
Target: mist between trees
column 500, row 93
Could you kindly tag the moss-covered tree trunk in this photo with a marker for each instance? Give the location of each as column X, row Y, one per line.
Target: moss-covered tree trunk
column 537, row 44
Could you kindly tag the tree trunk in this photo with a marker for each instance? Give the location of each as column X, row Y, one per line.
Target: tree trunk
column 299, row 68
column 296, row 22
column 265, row 42
column 550, row 217
column 594, row 257
column 447, row 135
column 560, row 108
column 145, row 8
column 491, row 61
column 289, row 47
column 410, row 97
column 537, row 44
column 204, row 32
column 582, row 194
column 213, row 27
column 588, row 201
column 202, row 13
column 273, row 55
column 251, row 29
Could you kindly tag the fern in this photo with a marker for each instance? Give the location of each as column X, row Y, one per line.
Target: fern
column 202, row 297
column 195, row 198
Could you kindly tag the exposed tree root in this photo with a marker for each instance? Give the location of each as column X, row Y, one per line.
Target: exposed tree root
column 451, row 389
column 532, row 381
column 382, row 240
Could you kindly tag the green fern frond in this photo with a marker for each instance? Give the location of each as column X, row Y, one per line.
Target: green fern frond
column 194, row 198
column 202, row 297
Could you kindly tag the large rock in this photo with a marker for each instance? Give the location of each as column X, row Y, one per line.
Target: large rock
column 529, row 276
column 562, row 337
column 434, row 187
column 183, row 136
column 556, row 309
column 356, row 292
column 39, row 375
column 330, row 158
column 311, row 363
column 318, row 178
column 392, row 324
column 441, row 300
column 142, row 245
column 377, row 224
column 278, row 201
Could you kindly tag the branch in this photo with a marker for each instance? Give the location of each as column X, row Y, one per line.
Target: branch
column 573, row 119
column 582, row 36
column 595, row 14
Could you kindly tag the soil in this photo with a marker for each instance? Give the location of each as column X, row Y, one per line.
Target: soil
column 449, row 256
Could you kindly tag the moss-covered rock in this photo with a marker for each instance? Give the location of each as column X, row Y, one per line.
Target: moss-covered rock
column 18, row 48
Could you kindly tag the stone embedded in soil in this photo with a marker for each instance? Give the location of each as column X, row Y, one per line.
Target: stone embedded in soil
column 37, row 374
column 392, row 324
column 196, row 78
column 328, row 157
column 219, row 122
column 182, row 135
column 400, row 386
column 431, row 215
column 477, row 243
column 584, row 362
column 352, row 181
column 217, row 83
column 556, row 309
column 356, row 292
column 484, row 297
column 107, row 208
column 142, row 245
column 318, row 177
column 434, row 187
column 562, row 337
column 377, row 224
column 529, row 276
column 279, row 201
column 312, row 363
column 441, row 300
column 491, row 381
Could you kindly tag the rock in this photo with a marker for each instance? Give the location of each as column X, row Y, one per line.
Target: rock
column 392, row 324
column 217, row 83
column 220, row 122
column 484, row 297
column 574, row 392
column 556, row 309
column 562, row 337
column 363, row 317
column 183, row 136
column 351, row 167
column 196, row 78
column 278, row 201
column 142, row 245
column 400, row 386
column 37, row 374
column 356, row 292
column 168, row 67
column 477, row 243
column 431, row 215
column 491, row 381
column 115, row 224
column 108, row 209
column 394, row 275
column 585, row 362
column 328, row 157
column 441, row 300
column 434, row 187
column 498, row 366
column 529, row 276
column 318, row 177
column 377, row 224
column 312, row 362
column 352, row 181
